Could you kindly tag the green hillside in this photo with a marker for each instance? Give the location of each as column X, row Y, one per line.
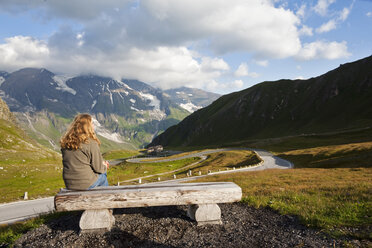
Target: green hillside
column 336, row 101
column 24, row 164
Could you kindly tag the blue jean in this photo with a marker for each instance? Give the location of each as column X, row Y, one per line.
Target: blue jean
column 101, row 181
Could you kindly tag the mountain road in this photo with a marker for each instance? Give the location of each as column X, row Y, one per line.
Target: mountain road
column 21, row 210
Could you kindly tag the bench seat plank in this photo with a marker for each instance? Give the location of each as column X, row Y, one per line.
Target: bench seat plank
column 148, row 195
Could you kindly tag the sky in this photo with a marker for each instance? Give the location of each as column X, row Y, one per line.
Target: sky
column 220, row 46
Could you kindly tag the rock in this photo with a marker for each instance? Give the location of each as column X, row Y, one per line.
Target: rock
column 242, row 226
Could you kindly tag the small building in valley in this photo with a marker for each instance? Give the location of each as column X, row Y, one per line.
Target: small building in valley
column 155, row 149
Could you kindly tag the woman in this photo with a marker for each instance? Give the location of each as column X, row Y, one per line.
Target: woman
column 83, row 166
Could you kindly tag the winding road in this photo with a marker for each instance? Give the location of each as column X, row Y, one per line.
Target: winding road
column 21, row 210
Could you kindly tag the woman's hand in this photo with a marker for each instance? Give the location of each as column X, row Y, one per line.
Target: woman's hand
column 106, row 163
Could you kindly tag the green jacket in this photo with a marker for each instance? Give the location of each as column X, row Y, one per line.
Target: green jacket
column 81, row 167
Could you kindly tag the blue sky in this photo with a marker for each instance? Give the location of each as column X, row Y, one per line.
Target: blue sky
column 217, row 45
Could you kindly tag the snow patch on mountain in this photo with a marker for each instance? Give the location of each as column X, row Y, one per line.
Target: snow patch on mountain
column 112, row 102
column 190, row 107
column 2, row 80
column 61, row 82
column 132, row 101
column 133, row 108
column 93, row 104
column 28, row 99
column 154, row 101
column 156, row 113
column 119, row 91
column 100, row 130
column 125, row 85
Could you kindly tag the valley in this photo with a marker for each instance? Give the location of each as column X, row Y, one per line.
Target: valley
column 128, row 113
column 322, row 126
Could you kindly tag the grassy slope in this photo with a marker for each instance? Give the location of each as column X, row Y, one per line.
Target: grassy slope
column 120, row 154
column 330, row 187
column 337, row 100
column 26, row 166
column 214, row 162
column 332, row 199
column 126, row 171
column 329, row 199
column 352, row 155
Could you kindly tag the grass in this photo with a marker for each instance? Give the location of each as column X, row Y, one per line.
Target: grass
column 352, row 155
column 120, row 154
column 229, row 159
column 39, row 179
column 9, row 234
column 329, row 199
column 289, row 143
column 26, row 166
column 330, row 188
column 215, row 162
column 126, row 171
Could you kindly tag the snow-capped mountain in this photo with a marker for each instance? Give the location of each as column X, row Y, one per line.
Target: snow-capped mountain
column 191, row 99
column 126, row 112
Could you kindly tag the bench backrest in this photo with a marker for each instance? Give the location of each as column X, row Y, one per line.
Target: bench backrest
column 147, row 195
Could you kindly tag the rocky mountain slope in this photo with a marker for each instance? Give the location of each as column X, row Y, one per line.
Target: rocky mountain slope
column 191, row 99
column 337, row 100
column 5, row 113
column 127, row 113
column 16, row 147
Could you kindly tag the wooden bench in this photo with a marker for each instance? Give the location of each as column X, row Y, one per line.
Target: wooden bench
column 202, row 199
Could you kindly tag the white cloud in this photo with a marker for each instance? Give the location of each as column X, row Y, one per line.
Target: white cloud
column 156, row 41
column 255, row 26
column 165, row 67
column 220, row 87
column 301, row 11
column 299, row 77
column 326, row 27
column 210, row 64
column 263, row 63
column 21, row 51
column 305, row 30
column 344, row 14
column 332, row 24
column 243, row 71
column 369, row 14
column 322, row 6
column 323, row 50
column 237, row 84
column 80, row 10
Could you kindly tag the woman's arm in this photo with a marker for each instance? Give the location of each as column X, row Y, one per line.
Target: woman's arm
column 97, row 163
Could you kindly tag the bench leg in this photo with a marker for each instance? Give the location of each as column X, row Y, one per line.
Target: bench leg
column 205, row 214
column 96, row 220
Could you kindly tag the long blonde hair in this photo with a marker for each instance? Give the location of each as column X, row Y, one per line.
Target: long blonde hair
column 79, row 132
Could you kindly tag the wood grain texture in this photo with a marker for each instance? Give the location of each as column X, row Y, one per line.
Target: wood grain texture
column 147, row 195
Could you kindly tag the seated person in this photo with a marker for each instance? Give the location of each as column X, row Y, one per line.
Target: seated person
column 83, row 165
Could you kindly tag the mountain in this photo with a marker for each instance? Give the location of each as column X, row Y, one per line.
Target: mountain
column 16, row 147
column 191, row 99
column 5, row 113
column 338, row 100
column 3, row 76
column 127, row 113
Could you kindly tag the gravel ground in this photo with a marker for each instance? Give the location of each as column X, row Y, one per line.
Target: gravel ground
column 243, row 226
